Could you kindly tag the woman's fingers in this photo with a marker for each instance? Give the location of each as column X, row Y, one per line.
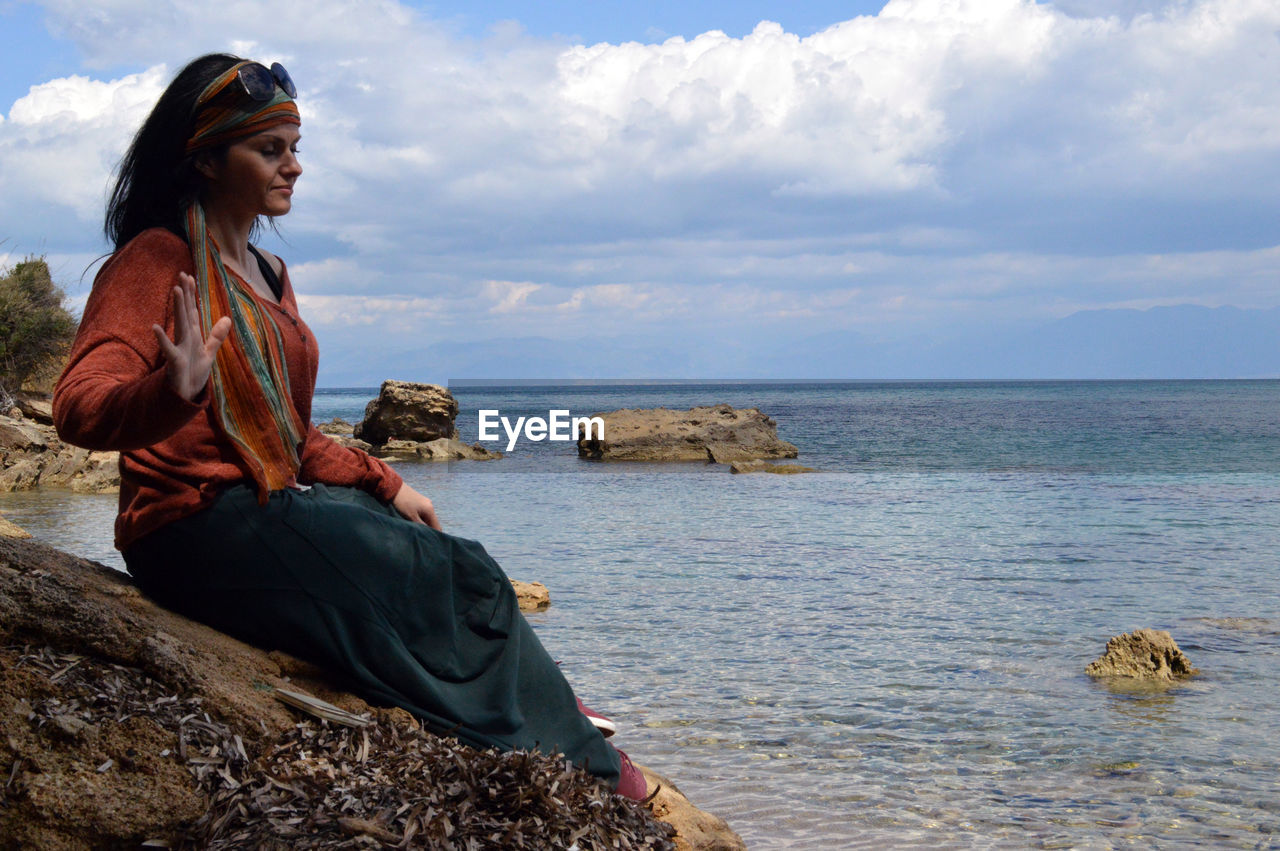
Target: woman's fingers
column 179, row 315
column 416, row 507
column 189, row 356
column 186, row 316
column 217, row 336
column 166, row 345
column 427, row 514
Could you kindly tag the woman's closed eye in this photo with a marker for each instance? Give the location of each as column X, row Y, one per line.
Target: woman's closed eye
column 277, row 150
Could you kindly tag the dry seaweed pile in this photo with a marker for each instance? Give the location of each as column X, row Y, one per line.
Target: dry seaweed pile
column 388, row 786
column 319, row 785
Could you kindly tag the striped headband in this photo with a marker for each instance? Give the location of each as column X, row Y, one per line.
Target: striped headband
column 225, row 112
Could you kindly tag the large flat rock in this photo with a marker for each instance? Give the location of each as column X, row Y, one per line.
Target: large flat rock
column 81, row 775
column 712, row 433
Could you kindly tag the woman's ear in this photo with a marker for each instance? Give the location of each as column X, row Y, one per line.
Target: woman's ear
column 205, row 166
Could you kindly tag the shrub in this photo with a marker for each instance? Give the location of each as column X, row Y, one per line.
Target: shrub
column 35, row 329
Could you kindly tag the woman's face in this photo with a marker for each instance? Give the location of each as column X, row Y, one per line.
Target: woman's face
column 256, row 176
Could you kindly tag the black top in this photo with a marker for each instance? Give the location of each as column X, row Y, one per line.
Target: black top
column 273, row 280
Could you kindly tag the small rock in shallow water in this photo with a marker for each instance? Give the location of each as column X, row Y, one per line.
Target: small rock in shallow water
column 1261, row 626
column 1148, row 654
column 532, row 596
column 766, row 467
column 336, row 425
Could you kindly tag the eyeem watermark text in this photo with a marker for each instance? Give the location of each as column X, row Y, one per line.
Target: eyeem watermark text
column 558, row 426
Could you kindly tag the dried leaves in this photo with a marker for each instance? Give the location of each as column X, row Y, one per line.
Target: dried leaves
column 330, row 786
column 390, row 787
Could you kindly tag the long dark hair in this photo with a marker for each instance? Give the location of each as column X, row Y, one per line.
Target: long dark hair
column 157, row 180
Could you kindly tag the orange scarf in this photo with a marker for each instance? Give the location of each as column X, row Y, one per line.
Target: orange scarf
column 249, row 380
column 250, row 384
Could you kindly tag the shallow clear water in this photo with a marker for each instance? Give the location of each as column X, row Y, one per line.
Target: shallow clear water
column 890, row 651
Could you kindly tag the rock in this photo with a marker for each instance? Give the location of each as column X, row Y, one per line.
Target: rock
column 20, row 474
column 9, row 529
column 695, row 829
column 100, row 474
column 93, row 781
column 399, row 447
column 336, row 426
column 766, row 467
column 1261, row 626
column 36, row 408
column 408, row 411
column 350, row 442
column 32, row 455
column 20, row 436
column 1148, row 654
column 83, row 470
column 533, row 596
column 440, row 449
column 717, row 433
column 452, row 449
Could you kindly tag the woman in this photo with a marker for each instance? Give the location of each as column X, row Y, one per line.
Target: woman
column 191, row 360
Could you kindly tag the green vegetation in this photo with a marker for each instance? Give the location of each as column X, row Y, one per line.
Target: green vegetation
column 35, row 328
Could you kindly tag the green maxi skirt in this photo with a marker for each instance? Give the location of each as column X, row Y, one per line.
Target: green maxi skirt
column 413, row 617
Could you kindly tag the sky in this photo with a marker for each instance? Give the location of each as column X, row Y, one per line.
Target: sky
column 707, row 190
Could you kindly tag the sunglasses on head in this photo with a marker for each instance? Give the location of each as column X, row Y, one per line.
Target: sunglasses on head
column 260, row 83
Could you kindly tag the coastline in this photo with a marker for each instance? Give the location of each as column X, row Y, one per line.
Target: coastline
column 891, row 654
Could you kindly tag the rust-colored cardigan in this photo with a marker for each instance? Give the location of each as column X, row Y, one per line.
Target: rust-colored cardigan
column 173, row 457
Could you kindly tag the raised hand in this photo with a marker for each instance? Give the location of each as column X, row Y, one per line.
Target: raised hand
column 189, row 356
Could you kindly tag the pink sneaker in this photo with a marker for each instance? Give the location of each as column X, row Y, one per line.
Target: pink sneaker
column 606, row 727
column 631, row 784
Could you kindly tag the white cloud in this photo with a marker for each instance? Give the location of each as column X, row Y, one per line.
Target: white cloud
column 510, row 296
column 942, row 158
column 397, row 112
column 62, row 139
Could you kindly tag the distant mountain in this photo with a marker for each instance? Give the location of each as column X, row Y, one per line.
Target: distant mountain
column 1184, row 341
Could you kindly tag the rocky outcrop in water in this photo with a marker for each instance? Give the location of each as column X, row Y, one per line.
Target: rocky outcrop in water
column 123, row 723
column 766, row 467
column 1258, row 626
column 31, row 454
column 336, row 426
column 440, row 449
column 405, row 410
column 1145, row 654
column 532, row 596
column 716, row 433
column 410, row 421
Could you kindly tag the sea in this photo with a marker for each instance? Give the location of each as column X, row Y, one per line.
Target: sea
column 890, row 651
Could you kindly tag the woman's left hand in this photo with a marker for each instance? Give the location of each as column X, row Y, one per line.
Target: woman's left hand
column 416, row 507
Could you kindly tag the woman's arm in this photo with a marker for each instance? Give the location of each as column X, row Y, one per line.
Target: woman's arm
column 116, row 391
column 330, row 463
column 324, row 460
